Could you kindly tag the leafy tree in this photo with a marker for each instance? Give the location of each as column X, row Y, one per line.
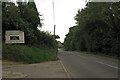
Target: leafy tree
column 56, row 36
column 25, row 17
column 97, row 29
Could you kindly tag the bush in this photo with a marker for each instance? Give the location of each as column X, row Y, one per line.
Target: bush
column 28, row 54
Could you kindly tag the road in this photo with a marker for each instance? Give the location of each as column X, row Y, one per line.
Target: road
column 80, row 65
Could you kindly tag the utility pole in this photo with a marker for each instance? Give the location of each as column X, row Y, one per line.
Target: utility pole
column 54, row 17
column 54, row 28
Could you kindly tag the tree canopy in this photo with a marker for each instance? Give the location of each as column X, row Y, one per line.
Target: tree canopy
column 25, row 17
column 97, row 29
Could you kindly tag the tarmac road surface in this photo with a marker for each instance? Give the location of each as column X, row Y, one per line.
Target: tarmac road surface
column 80, row 65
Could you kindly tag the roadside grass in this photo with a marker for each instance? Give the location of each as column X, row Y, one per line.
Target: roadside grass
column 99, row 54
column 96, row 53
column 28, row 54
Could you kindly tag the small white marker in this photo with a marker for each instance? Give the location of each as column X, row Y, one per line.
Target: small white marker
column 108, row 65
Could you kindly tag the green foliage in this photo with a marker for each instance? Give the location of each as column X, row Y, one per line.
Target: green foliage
column 56, row 36
column 97, row 30
column 60, row 45
column 25, row 17
column 39, row 46
column 28, row 54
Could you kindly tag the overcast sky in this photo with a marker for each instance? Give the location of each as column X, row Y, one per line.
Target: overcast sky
column 65, row 11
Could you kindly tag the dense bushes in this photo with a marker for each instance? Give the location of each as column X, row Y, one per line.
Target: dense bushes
column 39, row 45
column 28, row 54
column 25, row 17
column 97, row 29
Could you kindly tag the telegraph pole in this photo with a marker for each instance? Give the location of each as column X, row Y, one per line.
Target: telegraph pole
column 53, row 17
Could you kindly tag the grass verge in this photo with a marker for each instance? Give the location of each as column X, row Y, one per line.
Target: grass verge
column 100, row 54
column 28, row 54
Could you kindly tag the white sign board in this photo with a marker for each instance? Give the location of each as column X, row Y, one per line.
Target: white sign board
column 14, row 36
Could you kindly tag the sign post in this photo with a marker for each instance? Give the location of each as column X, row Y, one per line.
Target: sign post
column 14, row 36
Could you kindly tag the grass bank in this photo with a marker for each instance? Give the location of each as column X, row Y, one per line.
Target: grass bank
column 95, row 53
column 99, row 54
column 28, row 54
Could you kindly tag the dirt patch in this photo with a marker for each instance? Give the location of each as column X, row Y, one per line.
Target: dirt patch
column 6, row 62
column 13, row 74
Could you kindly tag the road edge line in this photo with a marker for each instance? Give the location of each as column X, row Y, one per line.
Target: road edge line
column 65, row 69
column 107, row 65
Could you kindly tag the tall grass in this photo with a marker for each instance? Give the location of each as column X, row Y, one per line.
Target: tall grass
column 28, row 54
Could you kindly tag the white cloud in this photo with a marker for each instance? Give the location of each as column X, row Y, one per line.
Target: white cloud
column 65, row 10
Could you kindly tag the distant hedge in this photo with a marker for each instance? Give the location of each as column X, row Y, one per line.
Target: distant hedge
column 97, row 29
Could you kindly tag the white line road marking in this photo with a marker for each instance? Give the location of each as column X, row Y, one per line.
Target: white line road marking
column 82, row 56
column 63, row 66
column 107, row 65
column 65, row 70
